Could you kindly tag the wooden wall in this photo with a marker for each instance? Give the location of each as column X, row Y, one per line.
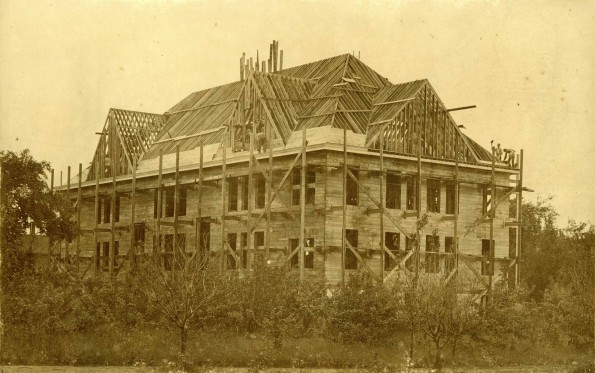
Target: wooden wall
column 323, row 220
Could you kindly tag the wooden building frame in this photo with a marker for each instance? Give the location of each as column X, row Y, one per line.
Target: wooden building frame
column 403, row 129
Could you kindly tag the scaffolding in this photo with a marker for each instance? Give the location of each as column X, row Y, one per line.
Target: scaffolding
column 418, row 127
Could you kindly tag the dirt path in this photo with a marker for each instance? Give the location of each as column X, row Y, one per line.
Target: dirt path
column 98, row 369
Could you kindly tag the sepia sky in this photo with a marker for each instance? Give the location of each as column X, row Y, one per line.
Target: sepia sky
column 528, row 66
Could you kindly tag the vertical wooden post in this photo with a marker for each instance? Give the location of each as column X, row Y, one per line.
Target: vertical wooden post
column 2, row 250
column 456, row 217
column 159, row 203
column 251, row 200
column 270, row 61
column 79, row 200
column 61, row 183
column 177, row 254
column 302, row 205
column 382, row 243
column 344, row 236
column 223, row 179
column 281, row 61
column 242, row 66
column 274, row 56
column 199, row 200
column 418, row 191
column 519, row 212
column 113, row 169
column 97, row 208
column 269, row 191
column 492, row 214
column 326, row 172
column 49, row 243
column 132, row 211
column 67, row 248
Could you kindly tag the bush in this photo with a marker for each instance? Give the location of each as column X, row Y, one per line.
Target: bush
column 361, row 311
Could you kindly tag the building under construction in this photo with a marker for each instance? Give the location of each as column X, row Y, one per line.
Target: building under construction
column 325, row 167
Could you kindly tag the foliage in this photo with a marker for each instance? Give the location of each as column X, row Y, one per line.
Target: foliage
column 361, row 311
column 187, row 295
column 511, row 320
column 541, row 254
column 434, row 308
column 273, row 301
column 26, row 198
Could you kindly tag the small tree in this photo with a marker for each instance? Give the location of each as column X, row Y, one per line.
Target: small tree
column 193, row 291
column 25, row 198
column 274, row 302
column 435, row 309
column 362, row 311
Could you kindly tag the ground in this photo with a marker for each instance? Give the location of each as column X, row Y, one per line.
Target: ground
column 67, row 369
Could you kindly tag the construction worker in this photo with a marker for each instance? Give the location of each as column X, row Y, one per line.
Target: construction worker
column 260, row 139
column 509, row 157
column 497, row 150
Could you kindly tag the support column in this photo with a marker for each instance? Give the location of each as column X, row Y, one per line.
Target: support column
column 269, row 187
column 176, row 250
column 132, row 212
column 418, row 192
column 519, row 212
column 491, row 266
column 112, row 249
column 251, row 200
column 51, row 192
column 456, row 214
column 382, row 243
column 67, row 246
column 159, row 203
column 96, row 255
column 79, row 200
column 302, row 205
column 344, row 237
column 223, row 180
column 199, row 201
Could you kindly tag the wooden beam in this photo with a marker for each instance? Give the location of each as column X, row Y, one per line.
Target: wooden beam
column 278, row 188
column 223, row 190
column 251, row 200
column 202, row 133
column 302, row 205
column 344, row 226
column 418, row 191
column 79, row 201
column 363, row 262
column 178, row 223
column 519, row 219
column 377, row 203
column 199, row 200
column 132, row 249
column 113, row 169
column 159, row 201
column 382, row 244
column 477, row 274
column 294, row 252
column 176, row 249
column 461, row 108
column 97, row 209
column 394, row 102
column 492, row 215
column 67, row 244
column 456, row 212
column 269, row 136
